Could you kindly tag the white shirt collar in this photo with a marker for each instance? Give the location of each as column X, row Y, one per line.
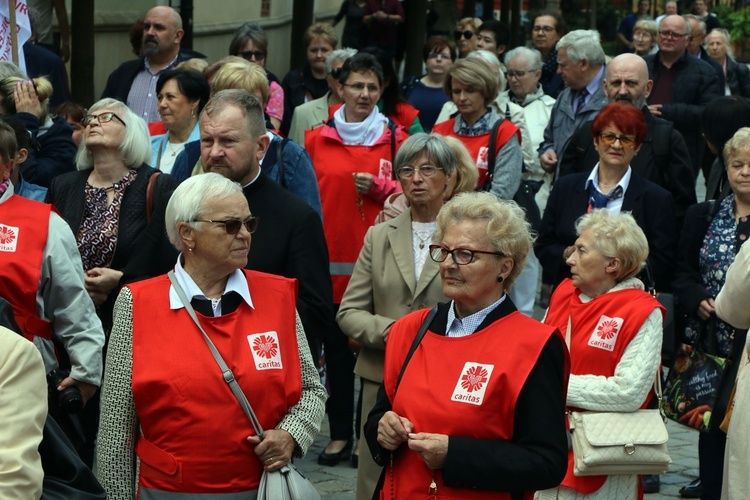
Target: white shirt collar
column 236, row 283
column 254, row 178
column 594, row 177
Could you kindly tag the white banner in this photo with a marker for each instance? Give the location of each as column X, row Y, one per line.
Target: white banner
column 23, row 31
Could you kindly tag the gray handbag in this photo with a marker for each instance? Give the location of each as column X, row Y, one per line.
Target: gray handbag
column 286, row 483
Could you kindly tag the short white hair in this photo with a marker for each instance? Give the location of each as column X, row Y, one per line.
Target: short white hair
column 531, row 57
column 583, row 45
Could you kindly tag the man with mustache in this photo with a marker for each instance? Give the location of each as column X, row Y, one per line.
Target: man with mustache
column 663, row 158
column 134, row 82
column 289, row 240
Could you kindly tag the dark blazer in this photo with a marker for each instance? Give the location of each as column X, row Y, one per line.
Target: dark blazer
column 50, row 154
column 289, row 242
column 489, row 463
column 738, row 77
column 142, row 250
column 663, row 160
column 298, row 84
column 651, row 205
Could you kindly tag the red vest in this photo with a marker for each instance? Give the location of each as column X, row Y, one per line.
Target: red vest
column 344, row 223
column 600, row 329
column 193, row 430
column 478, row 145
column 451, row 385
column 405, row 115
column 24, row 225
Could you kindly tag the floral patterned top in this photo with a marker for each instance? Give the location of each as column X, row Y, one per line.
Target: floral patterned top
column 97, row 237
column 275, row 106
column 720, row 246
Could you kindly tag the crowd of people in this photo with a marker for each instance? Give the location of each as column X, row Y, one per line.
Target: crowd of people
column 340, row 227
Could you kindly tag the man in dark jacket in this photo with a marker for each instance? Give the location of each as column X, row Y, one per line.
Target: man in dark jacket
column 683, row 85
column 134, row 82
column 663, row 158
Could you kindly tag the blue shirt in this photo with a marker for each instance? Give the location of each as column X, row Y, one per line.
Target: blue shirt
column 461, row 327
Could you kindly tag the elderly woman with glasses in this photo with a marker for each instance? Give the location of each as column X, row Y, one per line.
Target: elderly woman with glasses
column 159, row 419
column 393, row 275
column 468, row 409
column 618, row 132
column 250, row 42
column 644, row 37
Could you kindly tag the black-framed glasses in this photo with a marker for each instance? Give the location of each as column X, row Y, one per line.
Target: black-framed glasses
column 468, row 34
column 609, row 138
column 360, row 87
column 516, row 74
column 336, row 72
column 671, row 34
column 461, row 256
column 233, row 226
column 253, row 55
column 408, row 172
column 546, row 29
column 101, row 118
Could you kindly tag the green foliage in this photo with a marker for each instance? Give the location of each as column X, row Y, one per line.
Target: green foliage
column 738, row 24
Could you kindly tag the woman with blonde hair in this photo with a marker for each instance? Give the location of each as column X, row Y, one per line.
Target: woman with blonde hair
column 644, row 37
column 465, row 35
column 28, row 100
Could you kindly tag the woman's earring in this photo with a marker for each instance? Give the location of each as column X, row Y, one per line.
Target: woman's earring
column 500, row 278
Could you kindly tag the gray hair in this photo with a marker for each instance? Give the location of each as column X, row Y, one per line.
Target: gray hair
column 135, row 149
column 439, row 153
column 583, row 45
column 690, row 18
column 248, row 104
column 491, row 59
column 189, row 200
column 507, row 229
column 531, row 57
column 617, row 236
column 338, row 55
column 725, row 39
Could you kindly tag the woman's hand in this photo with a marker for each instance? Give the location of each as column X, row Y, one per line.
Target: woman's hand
column 100, row 281
column 393, row 430
column 363, row 182
column 275, row 451
column 26, row 99
column 706, row 308
column 87, row 390
column 433, row 448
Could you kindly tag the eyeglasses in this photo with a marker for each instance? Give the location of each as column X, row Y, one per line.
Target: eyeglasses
column 360, row 87
column 425, row 171
column 249, row 55
column 516, row 74
column 468, row 34
column 336, row 72
column 438, row 55
column 461, row 256
column 233, row 226
column 101, row 118
column 546, row 29
column 609, row 138
column 671, row 34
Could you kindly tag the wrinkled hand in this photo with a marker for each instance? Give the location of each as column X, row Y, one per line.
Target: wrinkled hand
column 87, row 390
column 655, row 109
column 433, row 448
column 548, row 161
column 101, row 281
column 26, row 99
column 706, row 309
column 393, row 430
column 275, row 451
column 381, row 15
column 363, row 181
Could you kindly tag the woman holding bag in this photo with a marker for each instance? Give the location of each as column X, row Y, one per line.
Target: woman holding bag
column 614, row 332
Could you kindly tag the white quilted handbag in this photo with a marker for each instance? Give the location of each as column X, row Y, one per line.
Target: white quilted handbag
column 606, row 443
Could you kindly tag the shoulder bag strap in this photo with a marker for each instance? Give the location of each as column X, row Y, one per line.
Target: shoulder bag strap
column 492, row 155
column 150, row 195
column 392, row 128
column 280, row 161
column 225, row 371
column 420, row 335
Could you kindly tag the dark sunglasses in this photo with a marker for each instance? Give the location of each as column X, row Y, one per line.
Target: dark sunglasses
column 233, row 226
column 468, row 34
column 249, row 55
column 336, row 72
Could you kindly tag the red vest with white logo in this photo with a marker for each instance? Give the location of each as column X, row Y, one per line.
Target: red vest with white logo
column 451, row 385
column 600, row 329
column 347, row 215
column 478, row 145
column 24, row 225
column 193, row 430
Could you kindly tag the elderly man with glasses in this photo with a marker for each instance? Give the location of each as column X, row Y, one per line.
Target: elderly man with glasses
column 683, row 84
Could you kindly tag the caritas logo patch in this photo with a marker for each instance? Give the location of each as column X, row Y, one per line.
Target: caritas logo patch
column 472, row 383
column 605, row 334
column 265, row 349
column 386, row 169
column 8, row 238
column 482, row 157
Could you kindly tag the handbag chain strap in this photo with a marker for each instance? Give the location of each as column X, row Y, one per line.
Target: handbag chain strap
column 225, row 371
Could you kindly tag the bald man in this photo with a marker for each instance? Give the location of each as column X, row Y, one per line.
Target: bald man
column 134, row 82
column 663, row 159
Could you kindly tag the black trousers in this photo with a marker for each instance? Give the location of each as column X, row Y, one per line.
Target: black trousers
column 340, row 375
column 711, row 446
